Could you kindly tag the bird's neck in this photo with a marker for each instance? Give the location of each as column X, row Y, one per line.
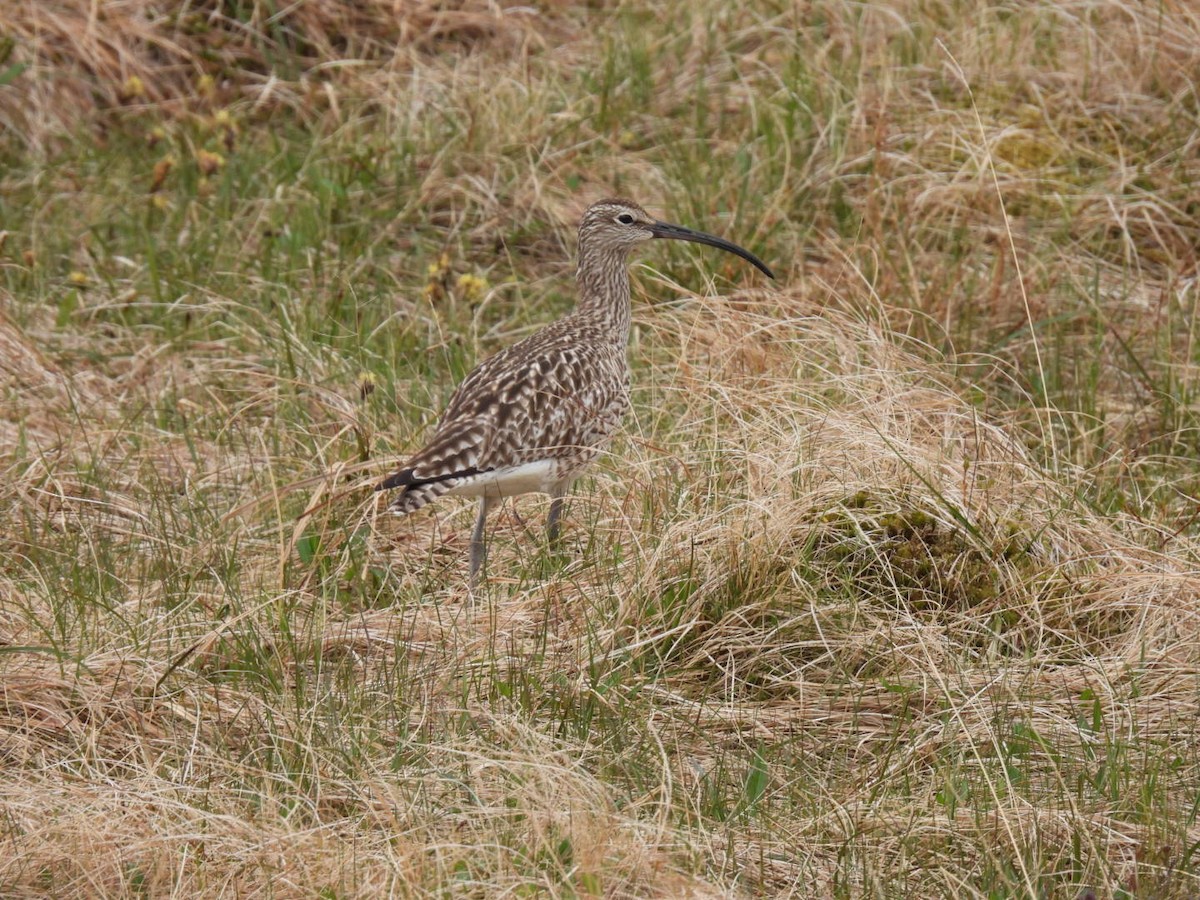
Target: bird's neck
column 603, row 280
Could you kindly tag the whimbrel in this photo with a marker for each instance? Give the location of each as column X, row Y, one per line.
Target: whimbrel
column 535, row 415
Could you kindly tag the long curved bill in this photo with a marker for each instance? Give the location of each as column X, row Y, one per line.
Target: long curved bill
column 679, row 233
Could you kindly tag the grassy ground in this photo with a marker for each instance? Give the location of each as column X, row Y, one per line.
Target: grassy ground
column 890, row 587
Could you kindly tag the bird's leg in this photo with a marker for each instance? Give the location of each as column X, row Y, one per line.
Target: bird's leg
column 553, row 520
column 478, row 548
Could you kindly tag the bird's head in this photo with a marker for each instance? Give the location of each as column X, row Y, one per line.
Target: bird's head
column 617, row 226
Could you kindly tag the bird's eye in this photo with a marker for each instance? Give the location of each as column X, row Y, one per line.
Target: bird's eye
column 625, row 219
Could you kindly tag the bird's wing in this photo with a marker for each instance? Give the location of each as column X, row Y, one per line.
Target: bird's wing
column 524, row 403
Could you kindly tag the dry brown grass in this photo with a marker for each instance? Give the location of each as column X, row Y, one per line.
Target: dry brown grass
column 85, row 58
column 124, row 767
column 889, row 590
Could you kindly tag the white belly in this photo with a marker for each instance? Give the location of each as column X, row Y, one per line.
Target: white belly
column 532, row 477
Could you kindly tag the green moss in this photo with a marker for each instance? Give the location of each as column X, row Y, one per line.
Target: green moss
column 907, row 550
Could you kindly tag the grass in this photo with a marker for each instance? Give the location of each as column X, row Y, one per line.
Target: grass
column 887, row 589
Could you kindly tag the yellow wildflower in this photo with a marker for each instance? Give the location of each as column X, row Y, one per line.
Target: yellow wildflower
column 133, row 88
column 439, row 268
column 471, row 287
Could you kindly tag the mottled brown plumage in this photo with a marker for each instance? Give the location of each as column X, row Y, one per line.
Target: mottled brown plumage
column 535, row 415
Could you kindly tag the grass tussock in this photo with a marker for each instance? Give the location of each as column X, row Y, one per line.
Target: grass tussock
column 72, row 58
column 888, row 589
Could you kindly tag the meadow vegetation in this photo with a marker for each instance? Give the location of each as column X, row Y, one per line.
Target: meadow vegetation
column 890, row 586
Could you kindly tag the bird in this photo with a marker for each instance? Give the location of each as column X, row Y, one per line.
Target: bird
column 532, row 417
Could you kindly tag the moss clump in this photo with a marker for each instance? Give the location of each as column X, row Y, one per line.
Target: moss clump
column 907, row 550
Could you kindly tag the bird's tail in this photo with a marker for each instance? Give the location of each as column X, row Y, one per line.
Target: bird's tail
column 413, row 498
column 417, row 491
